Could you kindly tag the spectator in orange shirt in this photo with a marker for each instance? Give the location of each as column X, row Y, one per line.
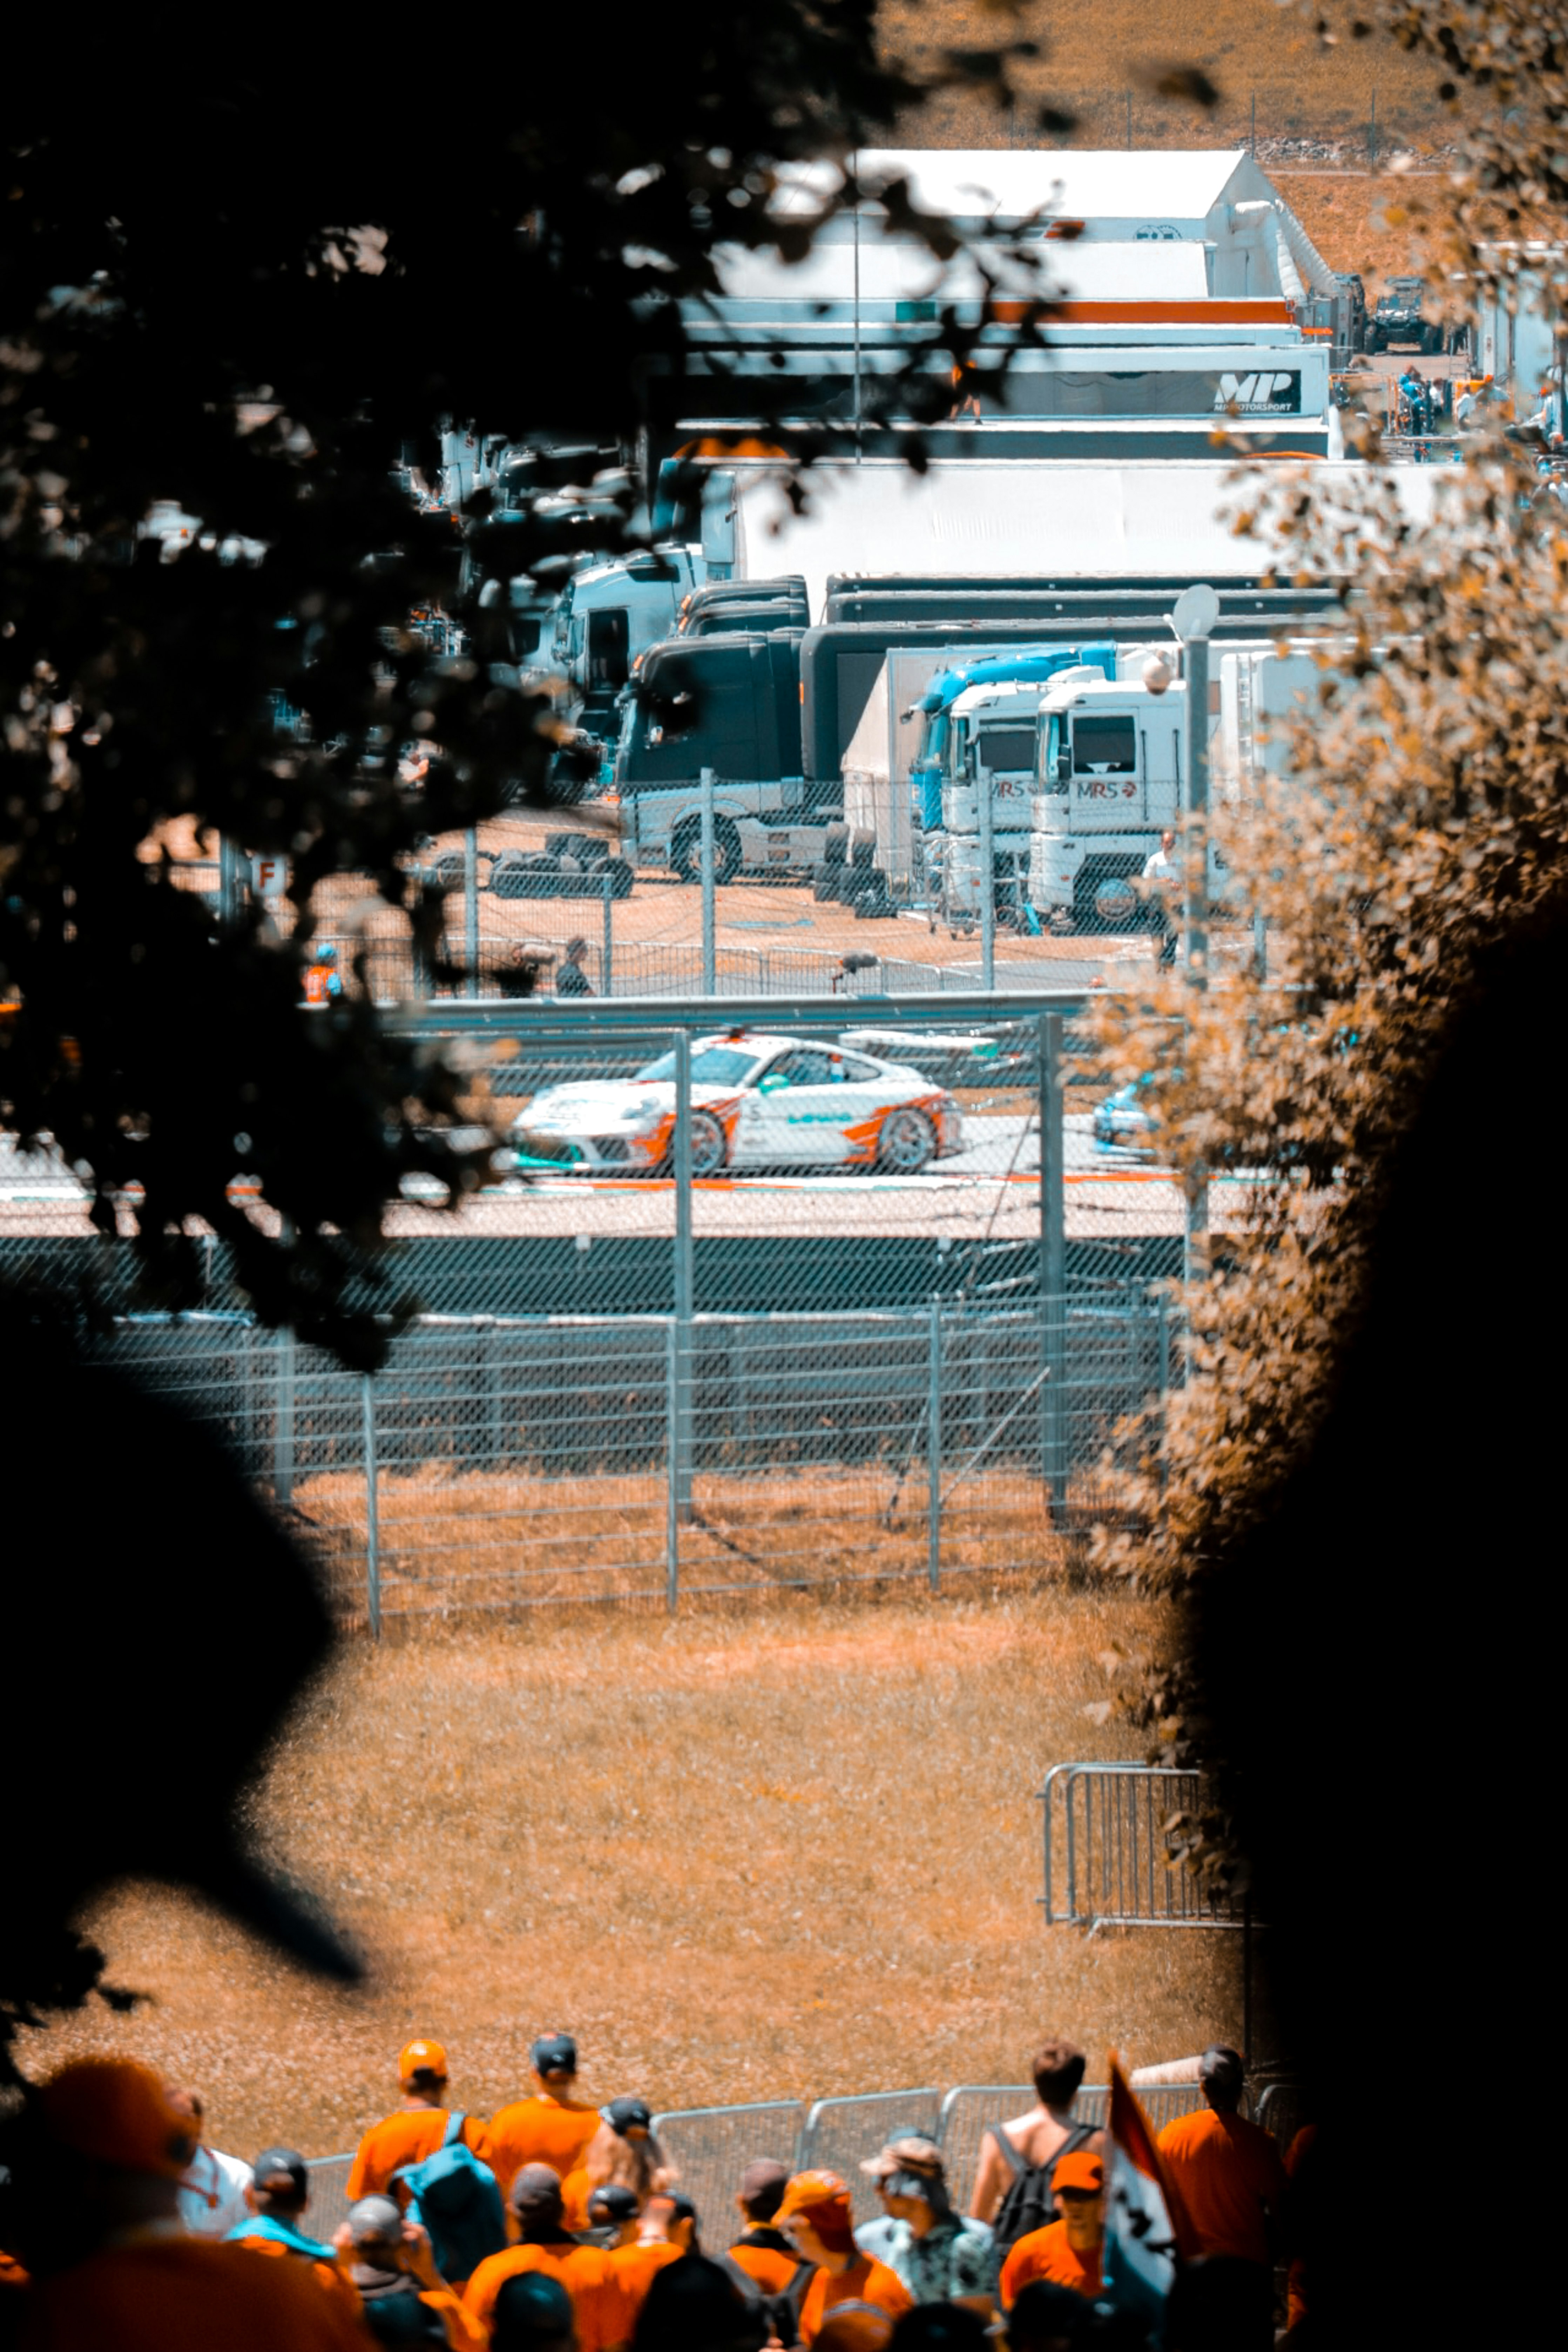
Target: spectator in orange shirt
column 417, row 2128
column 624, row 2151
column 98, row 2180
column 550, row 2127
column 1068, row 2251
column 1226, row 2171
column 391, row 2268
column 816, row 2215
column 279, row 2194
column 543, row 2244
column 666, row 2232
column 762, row 2250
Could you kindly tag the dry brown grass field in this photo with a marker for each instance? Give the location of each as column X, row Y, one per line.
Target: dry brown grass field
column 459, row 1541
column 782, row 1850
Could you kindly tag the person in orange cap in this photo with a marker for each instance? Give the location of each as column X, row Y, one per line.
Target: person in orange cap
column 417, row 2129
column 98, row 2165
column 1068, row 2251
column 816, row 2215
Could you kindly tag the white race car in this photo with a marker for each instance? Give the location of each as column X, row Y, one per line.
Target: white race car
column 756, row 1102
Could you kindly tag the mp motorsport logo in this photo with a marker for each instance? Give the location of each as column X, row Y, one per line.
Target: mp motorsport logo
column 1266, row 392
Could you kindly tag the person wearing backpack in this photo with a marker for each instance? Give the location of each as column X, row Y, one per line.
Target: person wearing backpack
column 415, row 2130
column 1013, row 2183
column 455, row 2197
column 1070, row 2250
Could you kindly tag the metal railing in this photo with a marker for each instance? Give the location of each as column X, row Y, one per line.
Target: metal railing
column 1109, row 1863
column 712, row 2147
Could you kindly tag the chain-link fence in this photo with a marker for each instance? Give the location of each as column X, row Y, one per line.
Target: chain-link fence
column 712, row 2147
column 740, row 1311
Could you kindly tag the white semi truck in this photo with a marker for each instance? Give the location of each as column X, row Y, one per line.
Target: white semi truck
column 1113, row 774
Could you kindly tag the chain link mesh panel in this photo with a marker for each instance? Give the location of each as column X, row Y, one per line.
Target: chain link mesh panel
column 712, row 2147
column 841, row 2135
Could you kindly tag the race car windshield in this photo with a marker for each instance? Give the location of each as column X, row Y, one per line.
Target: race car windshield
column 715, row 1065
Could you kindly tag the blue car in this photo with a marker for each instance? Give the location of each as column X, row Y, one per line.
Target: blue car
column 1123, row 1119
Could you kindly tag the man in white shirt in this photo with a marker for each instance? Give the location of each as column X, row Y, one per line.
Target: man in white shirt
column 212, row 2199
column 1163, row 873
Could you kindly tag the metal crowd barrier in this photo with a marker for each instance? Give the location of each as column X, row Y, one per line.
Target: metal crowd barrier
column 328, row 2206
column 1111, row 1867
column 712, row 2147
column 840, row 2133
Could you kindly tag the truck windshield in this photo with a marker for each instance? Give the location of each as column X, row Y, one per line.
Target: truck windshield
column 1010, row 750
column 714, row 1065
column 1051, row 779
column 1105, row 746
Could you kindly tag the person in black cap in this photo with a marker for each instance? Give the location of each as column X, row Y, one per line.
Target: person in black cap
column 623, row 2151
column 611, row 2216
column 279, row 2193
column 551, row 2126
column 534, row 2314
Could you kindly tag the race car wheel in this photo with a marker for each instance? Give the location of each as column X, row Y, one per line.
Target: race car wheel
column 907, row 1142
column 708, row 1144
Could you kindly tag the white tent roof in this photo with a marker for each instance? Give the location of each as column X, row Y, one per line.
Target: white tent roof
column 1144, row 185
column 897, row 269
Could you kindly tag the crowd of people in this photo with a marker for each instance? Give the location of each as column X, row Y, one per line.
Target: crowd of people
column 560, row 2226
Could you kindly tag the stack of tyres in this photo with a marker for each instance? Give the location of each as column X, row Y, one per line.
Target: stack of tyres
column 570, row 865
column 828, row 878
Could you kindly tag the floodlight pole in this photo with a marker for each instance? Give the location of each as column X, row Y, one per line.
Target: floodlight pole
column 1197, row 665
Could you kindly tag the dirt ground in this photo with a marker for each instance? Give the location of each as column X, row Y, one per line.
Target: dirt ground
column 792, row 1850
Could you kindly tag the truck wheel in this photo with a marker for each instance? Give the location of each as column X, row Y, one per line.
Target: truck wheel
column 708, row 1144
column 621, row 877
column 862, row 847
column 907, row 1142
column 726, row 851
column 686, row 849
column 836, row 842
column 825, row 883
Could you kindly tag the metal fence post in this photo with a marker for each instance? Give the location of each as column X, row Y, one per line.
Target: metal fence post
column 607, row 953
column 1053, row 1266
column 988, row 876
column 708, row 953
column 371, row 1509
column 283, row 1418
column 672, row 1484
column 933, row 1449
column 471, row 910
column 685, row 1283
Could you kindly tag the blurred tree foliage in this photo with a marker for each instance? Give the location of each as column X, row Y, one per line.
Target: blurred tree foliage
column 250, row 289
column 1422, row 841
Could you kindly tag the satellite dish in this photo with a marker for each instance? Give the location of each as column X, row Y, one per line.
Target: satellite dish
column 1196, row 611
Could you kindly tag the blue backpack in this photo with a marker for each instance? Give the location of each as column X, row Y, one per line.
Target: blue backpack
column 455, row 2197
